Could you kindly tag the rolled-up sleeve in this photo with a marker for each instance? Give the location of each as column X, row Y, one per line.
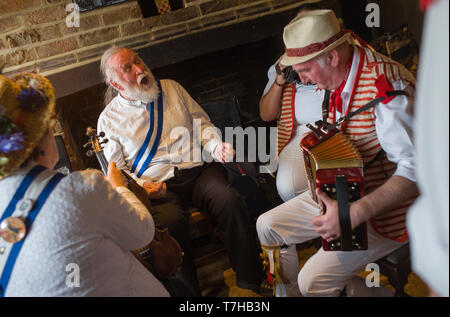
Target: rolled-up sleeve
column 394, row 125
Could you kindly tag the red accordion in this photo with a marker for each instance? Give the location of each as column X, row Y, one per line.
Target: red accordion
column 334, row 165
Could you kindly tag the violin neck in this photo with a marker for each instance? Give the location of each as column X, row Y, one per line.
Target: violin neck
column 102, row 161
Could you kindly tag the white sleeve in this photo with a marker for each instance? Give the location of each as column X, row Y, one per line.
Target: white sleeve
column 140, row 209
column 121, row 217
column 113, row 149
column 271, row 75
column 394, row 126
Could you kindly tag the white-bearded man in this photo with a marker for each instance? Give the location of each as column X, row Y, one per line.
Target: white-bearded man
column 138, row 123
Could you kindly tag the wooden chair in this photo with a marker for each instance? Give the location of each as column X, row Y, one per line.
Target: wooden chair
column 396, row 266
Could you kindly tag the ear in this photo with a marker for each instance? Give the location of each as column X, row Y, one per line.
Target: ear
column 115, row 85
column 333, row 58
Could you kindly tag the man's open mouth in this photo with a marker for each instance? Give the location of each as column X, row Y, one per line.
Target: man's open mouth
column 144, row 81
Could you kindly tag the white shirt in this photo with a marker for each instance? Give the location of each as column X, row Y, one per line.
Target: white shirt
column 308, row 101
column 393, row 123
column 126, row 124
column 427, row 219
column 85, row 222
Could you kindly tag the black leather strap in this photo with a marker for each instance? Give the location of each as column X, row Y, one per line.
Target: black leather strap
column 366, row 107
column 379, row 156
column 344, row 212
column 325, row 105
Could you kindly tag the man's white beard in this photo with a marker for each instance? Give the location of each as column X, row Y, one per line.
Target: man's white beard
column 144, row 93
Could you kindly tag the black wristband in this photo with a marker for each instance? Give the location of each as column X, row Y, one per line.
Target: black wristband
column 279, row 85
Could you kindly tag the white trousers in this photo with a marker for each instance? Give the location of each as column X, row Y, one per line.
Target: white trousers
column 326, row 273
column 291, row 175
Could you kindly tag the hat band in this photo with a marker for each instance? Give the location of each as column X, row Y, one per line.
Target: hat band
column 312, row 48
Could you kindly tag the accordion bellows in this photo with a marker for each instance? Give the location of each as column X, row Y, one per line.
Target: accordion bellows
column 335, row 152
column 328, row 155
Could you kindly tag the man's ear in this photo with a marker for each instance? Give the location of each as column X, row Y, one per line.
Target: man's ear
column 115, row 85
column 333, row 58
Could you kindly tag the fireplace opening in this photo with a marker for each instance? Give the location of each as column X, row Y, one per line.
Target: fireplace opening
column 239, row 72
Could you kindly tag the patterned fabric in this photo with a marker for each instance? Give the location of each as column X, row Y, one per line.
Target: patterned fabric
column 361, row 130
column 78, row 225
column 286, row 120
column 163, row 6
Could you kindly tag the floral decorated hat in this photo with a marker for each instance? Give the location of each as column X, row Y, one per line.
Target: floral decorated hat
column 27, row 105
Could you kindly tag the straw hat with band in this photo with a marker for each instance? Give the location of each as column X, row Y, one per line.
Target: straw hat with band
column 27, row 106
column 311, row 34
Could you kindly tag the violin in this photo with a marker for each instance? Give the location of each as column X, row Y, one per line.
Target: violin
column 163, row 255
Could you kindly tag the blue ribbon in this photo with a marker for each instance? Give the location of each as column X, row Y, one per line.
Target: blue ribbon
column 4, row 280
column 149, row 135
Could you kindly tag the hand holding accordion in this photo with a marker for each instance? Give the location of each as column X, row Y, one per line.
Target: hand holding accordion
column 334, row 165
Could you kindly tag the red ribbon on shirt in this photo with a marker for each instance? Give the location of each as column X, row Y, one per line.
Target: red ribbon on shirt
column 425, row 3
column 336, row 100
column 383, row 86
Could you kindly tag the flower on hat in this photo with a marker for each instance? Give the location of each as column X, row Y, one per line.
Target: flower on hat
column 11, row 142
column 31, row 99
column 6, row 125
column 11, row 138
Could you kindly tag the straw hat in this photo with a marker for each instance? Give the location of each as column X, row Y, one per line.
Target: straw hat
column 27, row 105
column 311, row 34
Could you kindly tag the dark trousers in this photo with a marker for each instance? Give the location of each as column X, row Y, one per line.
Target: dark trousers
column 207, row 188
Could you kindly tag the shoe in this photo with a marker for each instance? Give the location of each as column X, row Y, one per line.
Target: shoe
column 264, row 288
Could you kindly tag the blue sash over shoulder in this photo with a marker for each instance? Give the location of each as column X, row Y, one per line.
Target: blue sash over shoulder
column 152, row 140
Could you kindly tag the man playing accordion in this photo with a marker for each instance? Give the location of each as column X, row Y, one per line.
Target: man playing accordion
column 321, row 53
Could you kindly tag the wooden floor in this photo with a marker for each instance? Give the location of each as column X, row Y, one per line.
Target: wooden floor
column 217, row 279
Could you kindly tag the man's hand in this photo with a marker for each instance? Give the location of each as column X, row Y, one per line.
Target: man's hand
column 224, row 152
column 280, row 77
column 115, row 176
column 155, row 190
column 327, row 225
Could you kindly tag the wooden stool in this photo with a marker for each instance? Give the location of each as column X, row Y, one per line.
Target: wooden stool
column 396, row 266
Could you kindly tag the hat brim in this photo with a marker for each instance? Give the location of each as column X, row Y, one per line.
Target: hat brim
column 289, row 61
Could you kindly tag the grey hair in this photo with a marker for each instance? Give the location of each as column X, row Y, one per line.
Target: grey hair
column 108, row 73
column 104, row 67
column 322, row 60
